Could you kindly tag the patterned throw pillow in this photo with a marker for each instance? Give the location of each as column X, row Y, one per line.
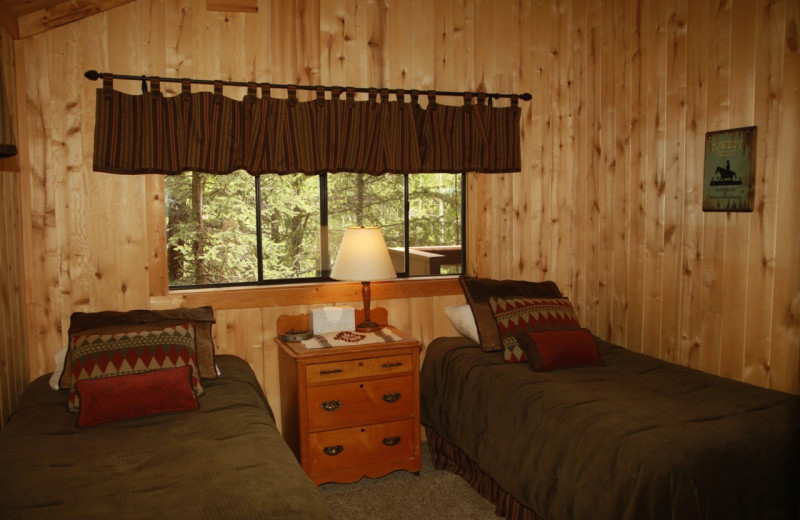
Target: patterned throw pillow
column 516, row 315
column 113, row 322
column 478, row 292
column 97, row 356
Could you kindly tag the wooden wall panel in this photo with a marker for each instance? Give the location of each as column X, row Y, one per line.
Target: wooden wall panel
column 607, row 204
column 780, row 357
column 675, row 138
column 691, row 280
column 575, row 286
column 13, row 344
column 620, row 245
column 637, row 54
column 605, row 60
column 521, row 244
column 765, row 38
column 589, row 177
column 742, row 100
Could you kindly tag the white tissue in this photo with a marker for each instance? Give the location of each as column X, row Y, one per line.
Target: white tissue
column 332, row 319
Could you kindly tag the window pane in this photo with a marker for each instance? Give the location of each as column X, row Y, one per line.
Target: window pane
column 358, row 199
column 434, row 233
column 212, row 238
column 290, row 226
column 211, row 232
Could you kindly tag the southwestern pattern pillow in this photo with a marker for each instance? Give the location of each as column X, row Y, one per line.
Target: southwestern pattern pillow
column 518, row 315
column 97, row 356
column 113, row 322
column 111, row 399
column 554, row 349
column 478, row 291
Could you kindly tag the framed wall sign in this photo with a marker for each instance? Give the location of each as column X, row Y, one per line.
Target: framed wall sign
column 729, row 176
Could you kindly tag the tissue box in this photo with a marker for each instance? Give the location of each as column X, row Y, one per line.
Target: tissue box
column 332, row 319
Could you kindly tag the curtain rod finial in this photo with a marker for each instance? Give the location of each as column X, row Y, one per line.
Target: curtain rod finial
column 92, row 75
column 526, row 96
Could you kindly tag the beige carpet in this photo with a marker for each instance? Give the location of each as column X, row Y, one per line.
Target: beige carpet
column 403, row 496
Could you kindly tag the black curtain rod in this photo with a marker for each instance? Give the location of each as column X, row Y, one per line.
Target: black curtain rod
column 94, row 76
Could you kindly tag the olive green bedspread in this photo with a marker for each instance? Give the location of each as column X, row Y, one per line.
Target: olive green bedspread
column 225, row 460
column 637, row 438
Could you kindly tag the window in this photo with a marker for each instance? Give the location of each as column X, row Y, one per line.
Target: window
column 238, row 229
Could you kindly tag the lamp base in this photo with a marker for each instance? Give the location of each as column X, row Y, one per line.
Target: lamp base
column 368, row 326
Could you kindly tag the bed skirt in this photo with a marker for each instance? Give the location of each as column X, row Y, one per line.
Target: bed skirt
column 447, row 456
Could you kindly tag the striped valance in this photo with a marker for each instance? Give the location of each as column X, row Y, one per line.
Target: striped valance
column 209, row 132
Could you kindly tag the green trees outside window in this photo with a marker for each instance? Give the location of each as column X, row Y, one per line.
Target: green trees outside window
column 214, row 236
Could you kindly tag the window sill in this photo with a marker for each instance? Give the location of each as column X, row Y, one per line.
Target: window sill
column 306, row 294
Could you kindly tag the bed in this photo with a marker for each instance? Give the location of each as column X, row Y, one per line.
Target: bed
column 224, row 459
column 625, row 437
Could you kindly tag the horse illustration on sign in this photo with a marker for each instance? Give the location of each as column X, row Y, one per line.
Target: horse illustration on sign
column 725, row 176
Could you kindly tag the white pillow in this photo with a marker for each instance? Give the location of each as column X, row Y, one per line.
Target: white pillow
column 59, row 359
column 464, row 322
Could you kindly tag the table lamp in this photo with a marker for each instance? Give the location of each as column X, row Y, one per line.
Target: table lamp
column 363, row 257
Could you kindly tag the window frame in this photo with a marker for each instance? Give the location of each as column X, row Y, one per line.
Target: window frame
column 321, row 280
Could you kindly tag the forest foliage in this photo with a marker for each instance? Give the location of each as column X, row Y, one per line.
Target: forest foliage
column 212, row 235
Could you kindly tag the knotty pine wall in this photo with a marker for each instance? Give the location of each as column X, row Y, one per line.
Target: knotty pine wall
column 13, row 347
column 608, row 203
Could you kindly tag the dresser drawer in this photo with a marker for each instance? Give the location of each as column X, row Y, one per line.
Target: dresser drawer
column 358, row 446
column 367, row 367
column 348, row 404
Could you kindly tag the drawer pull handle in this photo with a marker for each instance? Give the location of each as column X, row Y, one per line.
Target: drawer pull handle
column 331, row 406
column 333, row 450
column 392, row 365
column 392, row 397
column 392, row 441
column 334, row 371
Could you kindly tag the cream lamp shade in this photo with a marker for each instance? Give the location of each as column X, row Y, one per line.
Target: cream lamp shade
column 363, row 256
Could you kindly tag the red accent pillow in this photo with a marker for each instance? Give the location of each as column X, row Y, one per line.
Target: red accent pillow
column 554, row 349
column 115, row 398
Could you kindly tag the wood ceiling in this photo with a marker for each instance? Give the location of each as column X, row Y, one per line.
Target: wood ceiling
column 23, row 18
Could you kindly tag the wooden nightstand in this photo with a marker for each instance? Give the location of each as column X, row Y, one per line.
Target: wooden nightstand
column 352, row 411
